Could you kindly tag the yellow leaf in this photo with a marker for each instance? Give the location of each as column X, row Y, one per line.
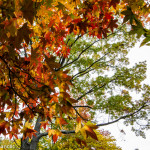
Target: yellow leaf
column 53, row 132
column 28, row 125
column 83, row 132
column 78, row 127
column 91, row 125
column 12, row 30
column 8, row 114
column 87, row 130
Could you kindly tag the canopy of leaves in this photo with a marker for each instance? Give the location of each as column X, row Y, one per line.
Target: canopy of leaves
column 49, row 50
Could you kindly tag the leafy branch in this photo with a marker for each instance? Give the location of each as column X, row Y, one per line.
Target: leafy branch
column 90, row 65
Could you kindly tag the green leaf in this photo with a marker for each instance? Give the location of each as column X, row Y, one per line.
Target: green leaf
column 146, row 40
column 139, row 30
column 60, row 6
column 129, row 16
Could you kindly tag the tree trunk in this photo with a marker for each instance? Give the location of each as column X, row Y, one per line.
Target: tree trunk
column 25, row 144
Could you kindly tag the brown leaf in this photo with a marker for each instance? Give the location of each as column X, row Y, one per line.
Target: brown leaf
column 23, row 33
column 80, row 142
column 51, row 62
column 112, row 24
column 28, row 10
column 87, row 130
column 34, row 54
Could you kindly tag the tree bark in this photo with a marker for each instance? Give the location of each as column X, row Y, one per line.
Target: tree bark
column 25, row 144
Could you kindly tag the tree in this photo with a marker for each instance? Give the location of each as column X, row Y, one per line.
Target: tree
column 48, row 51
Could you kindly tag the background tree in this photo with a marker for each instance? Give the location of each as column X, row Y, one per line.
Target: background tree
column 47, row 58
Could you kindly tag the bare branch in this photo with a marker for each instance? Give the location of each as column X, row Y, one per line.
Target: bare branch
column 81, row 74
column 86, row 49
column 25, row 52
column 62, row 59
column 15, row 108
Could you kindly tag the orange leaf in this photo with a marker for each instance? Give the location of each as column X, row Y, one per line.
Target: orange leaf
column 52, row 132
column 28, row 131
column 62, row 121
column 44, row 124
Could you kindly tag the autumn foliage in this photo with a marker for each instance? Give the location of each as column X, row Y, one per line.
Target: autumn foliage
column 33, row 80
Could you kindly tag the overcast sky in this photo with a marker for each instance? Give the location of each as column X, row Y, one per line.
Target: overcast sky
column 129, row 141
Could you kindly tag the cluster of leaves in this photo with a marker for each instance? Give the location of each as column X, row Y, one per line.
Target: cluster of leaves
column 40, row 42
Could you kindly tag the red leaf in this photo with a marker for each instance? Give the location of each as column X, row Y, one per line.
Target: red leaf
column 62, row 121
column 3, row 126
column 114, row 3
column 112, row 25
column 55, row 137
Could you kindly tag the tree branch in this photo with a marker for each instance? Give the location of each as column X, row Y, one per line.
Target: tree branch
column 79, row 114
column 21, row 97
column 62, row 131
column 85, row 50
column 81, row 74
column 123, row 117
column 76, row 40
column 102, row 124
column 79, row 55
column 90, row 65
column 82, row 106
column 92, row 89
